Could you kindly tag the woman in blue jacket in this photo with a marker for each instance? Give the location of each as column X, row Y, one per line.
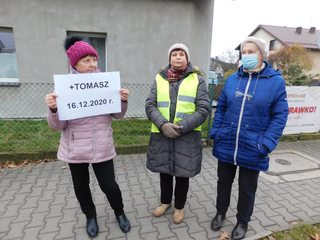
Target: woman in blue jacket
column 251, row 114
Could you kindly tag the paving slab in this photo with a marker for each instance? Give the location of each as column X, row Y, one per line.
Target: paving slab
column 290, row 161
column 38, row 201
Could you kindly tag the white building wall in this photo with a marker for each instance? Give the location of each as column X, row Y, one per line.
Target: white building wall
column 139, row 34
column 315, row 56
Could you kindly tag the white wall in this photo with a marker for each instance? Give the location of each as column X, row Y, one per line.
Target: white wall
column 139, row 34
column 315, row 56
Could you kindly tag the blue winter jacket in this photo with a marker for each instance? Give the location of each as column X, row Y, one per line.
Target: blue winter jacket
column 251, row 114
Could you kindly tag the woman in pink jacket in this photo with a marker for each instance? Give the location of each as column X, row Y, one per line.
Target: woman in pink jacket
column 87, row 141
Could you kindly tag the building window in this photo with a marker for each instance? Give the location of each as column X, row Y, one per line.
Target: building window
column 272, row 45
column 98, row 41
column 8, row 59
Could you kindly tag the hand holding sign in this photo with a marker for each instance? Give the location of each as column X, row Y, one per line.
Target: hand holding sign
column 51, row 101
column 124, row 94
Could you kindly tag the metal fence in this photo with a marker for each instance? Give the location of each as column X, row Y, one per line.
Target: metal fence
column 23, row 117
column 27, row 100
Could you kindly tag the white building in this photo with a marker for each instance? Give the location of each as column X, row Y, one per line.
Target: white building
column 132, row 36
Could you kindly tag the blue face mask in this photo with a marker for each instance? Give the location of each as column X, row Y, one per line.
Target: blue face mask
column 250, row 62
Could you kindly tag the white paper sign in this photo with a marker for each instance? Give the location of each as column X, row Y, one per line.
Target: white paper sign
column 87, row 94
column 304, row 105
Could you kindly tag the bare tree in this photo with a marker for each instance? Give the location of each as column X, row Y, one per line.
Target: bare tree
column 230, row 56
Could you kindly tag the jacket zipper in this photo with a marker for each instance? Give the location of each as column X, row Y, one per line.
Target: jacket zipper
column 240, row 119
column 94, row 139
column 70, row 142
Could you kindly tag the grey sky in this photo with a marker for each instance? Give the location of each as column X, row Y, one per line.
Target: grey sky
column 234, row 20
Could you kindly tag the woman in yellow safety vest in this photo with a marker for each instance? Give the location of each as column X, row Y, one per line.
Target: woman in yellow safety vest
column 177, row 105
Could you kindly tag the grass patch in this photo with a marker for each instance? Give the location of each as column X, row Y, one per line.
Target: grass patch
column 23, row 136
column 19, row 136
column 299, row 232
column 131, row 132
column 26, row 136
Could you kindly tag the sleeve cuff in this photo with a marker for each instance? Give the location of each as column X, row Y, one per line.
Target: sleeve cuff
column 53, row 110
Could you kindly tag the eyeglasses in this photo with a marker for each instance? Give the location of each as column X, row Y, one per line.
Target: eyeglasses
column 241, row 94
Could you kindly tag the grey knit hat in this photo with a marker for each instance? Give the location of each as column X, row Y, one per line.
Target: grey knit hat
column 260, row 43
column 179, row 46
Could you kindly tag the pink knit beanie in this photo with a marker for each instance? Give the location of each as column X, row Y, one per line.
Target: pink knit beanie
column 79, row 50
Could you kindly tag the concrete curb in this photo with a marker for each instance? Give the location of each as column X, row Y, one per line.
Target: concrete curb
column 17, row 157
column 259, row 235
column 300, row 137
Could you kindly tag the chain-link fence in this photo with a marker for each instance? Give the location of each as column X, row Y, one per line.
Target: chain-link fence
column 23, row 126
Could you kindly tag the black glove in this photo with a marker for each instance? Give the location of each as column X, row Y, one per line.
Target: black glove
column 170, row 130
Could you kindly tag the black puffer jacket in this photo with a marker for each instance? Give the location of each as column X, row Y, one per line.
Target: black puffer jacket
column 181, row 156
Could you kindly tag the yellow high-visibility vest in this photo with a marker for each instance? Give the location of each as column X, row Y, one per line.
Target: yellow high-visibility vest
column 186, row 99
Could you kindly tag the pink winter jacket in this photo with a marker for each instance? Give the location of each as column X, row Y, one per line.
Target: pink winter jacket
column 86, row 140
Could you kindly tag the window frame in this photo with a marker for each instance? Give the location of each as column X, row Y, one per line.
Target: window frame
column 10, row 81
column 93, row 35
column 272, row 45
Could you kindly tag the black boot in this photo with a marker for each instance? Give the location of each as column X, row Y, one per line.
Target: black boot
column 124, row 223
column 217, row 221
column 92, row 227
column 239, row 231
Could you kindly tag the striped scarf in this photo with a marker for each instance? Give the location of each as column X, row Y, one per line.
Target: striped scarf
column 174, row 75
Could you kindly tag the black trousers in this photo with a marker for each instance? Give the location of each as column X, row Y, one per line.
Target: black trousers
column 248, row 182
column 180, row 190
column 104, row 172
